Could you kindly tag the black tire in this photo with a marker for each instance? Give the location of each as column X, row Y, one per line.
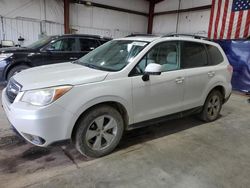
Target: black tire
column 16, row 70
column 87, row 122
column 206, row 113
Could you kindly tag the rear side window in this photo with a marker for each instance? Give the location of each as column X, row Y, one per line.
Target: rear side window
column 215, row 55
column 193, row 55
column 88, row 44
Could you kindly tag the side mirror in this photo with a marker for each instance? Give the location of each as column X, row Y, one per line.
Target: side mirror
column 151, row 69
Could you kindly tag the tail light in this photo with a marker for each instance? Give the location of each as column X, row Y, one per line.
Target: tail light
column 230, row 68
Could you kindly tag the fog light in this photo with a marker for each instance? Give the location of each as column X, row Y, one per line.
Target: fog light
column 34, row 139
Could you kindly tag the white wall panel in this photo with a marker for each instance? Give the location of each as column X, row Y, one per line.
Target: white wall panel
column 27, row 29
column 103, row 19
column 189, row 22
column 54, row 28
column 168, row 5
column 164, row 24
column 194, row 22
column 94, row 31
column 137, row 5
column 28, row 18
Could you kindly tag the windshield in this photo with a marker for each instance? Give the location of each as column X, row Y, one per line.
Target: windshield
column 39, row 43
column 113, row 55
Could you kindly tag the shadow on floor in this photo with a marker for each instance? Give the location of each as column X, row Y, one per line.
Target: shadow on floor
column 22, row 157
column 152, row 132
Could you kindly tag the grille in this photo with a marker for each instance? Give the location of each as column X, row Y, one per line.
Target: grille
column 12, row 90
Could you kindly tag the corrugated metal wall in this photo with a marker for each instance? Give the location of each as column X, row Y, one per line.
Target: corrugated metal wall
column 188, row 22
column 26, row 18
column 29, row 29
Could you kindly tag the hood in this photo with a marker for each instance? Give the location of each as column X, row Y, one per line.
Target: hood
column 15, row 49
column 58, row 74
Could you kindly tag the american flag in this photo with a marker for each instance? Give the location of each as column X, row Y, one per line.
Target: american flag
column 229, row 19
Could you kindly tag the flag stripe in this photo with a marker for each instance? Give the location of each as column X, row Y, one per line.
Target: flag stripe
column 246, row 31
column 235, row 20
column 230, row 25
column 228, row 19
column 224, row 19
column 238, row 25
column 243, row 24
column 211, row 19
column 217, row 19
column 220, row 19
column 214, row 18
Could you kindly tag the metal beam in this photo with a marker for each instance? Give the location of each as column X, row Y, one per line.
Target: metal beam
column 89, row 3
column 183, row 10
column 151, row 16
column 66, row 16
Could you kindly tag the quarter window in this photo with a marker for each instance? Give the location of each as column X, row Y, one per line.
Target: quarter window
column 193, row 55
column 214, row 55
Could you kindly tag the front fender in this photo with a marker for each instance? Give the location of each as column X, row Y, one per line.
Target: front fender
column 96, row 101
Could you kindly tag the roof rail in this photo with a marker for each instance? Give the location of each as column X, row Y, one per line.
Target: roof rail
column 141, row 35
column 185, row 35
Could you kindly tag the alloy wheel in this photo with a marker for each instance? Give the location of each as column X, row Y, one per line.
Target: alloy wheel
column 101, row 132
column 213, row 107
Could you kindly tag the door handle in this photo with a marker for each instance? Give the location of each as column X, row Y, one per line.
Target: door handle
column 179, row 80
column 211, row 74
column 73, row 58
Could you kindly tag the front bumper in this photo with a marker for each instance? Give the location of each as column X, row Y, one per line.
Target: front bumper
column 41, row 126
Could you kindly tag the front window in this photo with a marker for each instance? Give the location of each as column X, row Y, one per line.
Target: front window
column 63, row 45
column 112, row 56
column 164, row 54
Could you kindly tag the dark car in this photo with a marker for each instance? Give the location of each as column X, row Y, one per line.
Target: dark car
column 48, row 50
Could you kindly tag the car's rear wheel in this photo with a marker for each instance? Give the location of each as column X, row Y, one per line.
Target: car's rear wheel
column 99, row 131
column 16, row 70
column 212, row 107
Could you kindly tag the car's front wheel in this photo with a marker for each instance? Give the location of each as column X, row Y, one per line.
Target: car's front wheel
column 212, row 107
column 99, row 131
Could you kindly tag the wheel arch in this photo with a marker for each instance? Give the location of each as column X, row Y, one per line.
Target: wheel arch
column 220, row 88
column 7, row 70
column 115, row 104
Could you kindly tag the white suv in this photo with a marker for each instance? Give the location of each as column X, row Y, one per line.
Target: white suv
column 123, row 84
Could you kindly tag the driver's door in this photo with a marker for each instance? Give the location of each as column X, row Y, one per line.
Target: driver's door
column 162, row 94
column 61, row 50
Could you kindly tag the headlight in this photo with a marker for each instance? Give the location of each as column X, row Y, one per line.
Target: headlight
column 5, row 56
column 45, row 96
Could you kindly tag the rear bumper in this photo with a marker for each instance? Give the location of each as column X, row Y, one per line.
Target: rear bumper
column 227, row 98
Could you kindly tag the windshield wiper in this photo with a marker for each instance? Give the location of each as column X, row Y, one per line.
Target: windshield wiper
column 96, row 67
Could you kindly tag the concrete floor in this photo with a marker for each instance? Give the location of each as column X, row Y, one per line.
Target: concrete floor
column 179, row 153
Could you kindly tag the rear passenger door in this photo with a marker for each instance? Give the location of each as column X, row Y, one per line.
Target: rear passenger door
column 195, row 61
column 86, row 45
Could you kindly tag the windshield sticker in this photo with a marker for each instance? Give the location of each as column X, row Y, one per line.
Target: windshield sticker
column 139, row 43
